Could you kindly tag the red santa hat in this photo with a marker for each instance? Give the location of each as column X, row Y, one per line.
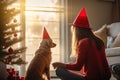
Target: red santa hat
column 45, row 34
column 81, row 20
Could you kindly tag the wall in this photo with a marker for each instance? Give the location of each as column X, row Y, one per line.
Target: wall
column 98, row 11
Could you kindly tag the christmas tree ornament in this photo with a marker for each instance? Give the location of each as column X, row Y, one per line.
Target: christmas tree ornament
column 45, row 34
column 22, row 78
column 15, row 20
column 10, row 50
column 81, row 20
column 15, row 35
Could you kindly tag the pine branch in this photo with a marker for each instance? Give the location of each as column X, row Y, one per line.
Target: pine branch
column 19, row 61
column 20, row 50
column 13, row 60
column 11, row 42
column 3, row 40
column 7, row 15
column 13, row 32
column 11, row 2
column 11, row 26
column 5, row 3
column 3, row 54
column 6, row 42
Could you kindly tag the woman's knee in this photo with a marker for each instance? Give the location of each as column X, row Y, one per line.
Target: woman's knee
column 59, row 71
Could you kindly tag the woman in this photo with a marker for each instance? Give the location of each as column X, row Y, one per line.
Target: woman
column 91, row 62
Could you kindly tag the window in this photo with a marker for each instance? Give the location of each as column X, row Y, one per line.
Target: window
column 51, row 14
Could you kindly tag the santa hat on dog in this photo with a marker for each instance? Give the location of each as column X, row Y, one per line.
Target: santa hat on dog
column 45, row 34
column 81, row 20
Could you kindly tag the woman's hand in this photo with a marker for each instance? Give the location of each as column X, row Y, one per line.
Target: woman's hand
column 58, row 64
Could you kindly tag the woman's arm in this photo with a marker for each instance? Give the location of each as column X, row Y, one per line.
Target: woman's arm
column 82, row 55
column 58, row 64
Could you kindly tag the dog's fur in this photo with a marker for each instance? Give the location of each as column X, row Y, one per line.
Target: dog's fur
column 40, row 64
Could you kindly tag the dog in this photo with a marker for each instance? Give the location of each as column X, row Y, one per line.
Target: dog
column 39, row 68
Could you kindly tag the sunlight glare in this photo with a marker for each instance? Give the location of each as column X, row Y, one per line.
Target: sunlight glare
column 36, row 3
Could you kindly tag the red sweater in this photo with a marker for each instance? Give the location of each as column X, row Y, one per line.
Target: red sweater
column 91, row 63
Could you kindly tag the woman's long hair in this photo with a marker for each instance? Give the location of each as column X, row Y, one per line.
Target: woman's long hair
column 79, row 33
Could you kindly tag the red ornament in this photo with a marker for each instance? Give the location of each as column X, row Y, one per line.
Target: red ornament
column 15, row 20
column 15, row 35
column 10, row 50
column 22, row 78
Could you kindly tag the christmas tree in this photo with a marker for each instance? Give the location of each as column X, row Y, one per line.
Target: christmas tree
column 10, row 34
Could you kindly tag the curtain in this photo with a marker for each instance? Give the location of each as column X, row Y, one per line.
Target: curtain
column 116, row 11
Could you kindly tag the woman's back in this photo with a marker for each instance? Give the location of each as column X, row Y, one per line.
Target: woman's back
column 96, row 66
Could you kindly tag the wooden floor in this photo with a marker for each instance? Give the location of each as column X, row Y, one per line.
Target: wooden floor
column 53, row 76
column 55, row 79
